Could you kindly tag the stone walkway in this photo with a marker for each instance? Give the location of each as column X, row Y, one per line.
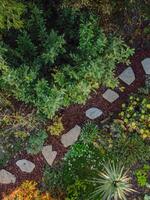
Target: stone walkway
column 69, row 138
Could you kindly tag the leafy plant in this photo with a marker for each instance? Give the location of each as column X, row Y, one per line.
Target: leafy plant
column 36, row 142
column 129, row 150
column 11, row 12
column 53, row 181
column 77, row 190
column 135, row 116
column 27, row 190
column 146, row 197
column 57, row 127
column 112, row 182
column 142, row 175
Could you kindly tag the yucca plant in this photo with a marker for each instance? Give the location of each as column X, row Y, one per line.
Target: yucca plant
column 112, row 183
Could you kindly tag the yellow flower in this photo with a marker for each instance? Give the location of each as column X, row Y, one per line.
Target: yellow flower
column 144, row 136
column 126, row 120
column 148, row 106
column 131, row 97
column 133, row 125
column 141, row 131
column 122, row 114
column 142, row 116
column 123, row 105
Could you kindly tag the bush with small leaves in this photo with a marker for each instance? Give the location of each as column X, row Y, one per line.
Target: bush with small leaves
column 36, row 142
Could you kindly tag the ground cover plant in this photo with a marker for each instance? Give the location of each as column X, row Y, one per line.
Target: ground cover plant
column 73, row 123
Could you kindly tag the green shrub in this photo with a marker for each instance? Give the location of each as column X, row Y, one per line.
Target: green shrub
column 77, row 190
column 142, row 175
column 36, row 142
column 130, row 150
column 72, row 174
column 83, row 71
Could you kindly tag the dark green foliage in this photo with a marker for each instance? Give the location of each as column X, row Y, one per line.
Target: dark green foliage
column 53, row 48
column 130, row 150
column 26, row 51
column 36, row 142
column 70, row 83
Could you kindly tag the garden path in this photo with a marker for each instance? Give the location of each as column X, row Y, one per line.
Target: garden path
column 98, row 107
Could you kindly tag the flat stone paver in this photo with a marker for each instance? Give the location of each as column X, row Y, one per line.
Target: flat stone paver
column 6, row 177
column 71, row 137
column 110, row 95
column 127, row 76
column 93, row 113
column 25, row 165
column 146, row 65
column 49, row 154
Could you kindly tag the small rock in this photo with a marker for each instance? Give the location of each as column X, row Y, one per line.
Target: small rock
column 6, row 177
column 49, row 154
column 146, row 65
column 25, row 165
column 110, row 95
column 127, row 76
column 71, row 137
column 93, row 113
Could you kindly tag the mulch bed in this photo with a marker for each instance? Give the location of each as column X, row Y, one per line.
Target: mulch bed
column 75, row 114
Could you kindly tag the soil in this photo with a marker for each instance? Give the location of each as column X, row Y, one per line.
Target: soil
column 75, row 114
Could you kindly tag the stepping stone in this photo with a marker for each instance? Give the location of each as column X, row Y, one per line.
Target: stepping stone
column 110, row 95
column 93, row 113
column 25, row 165
column 6, row 177
column 146, row 65
column 127, row 76
column 71, row 137
column 49, row 154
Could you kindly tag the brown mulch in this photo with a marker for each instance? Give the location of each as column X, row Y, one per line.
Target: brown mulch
column 75, row 114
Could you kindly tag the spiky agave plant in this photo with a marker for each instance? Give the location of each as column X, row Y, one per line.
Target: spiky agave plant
column 112, row 183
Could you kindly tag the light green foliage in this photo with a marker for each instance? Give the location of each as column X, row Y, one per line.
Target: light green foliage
column 112, row 183
column 10, row 14
column 135, row 116
column 36, row 142
column 146, row 197
column 89, row 133
column 19, row 82
column 76, row 191
column 49, row 100
column 142, row 175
